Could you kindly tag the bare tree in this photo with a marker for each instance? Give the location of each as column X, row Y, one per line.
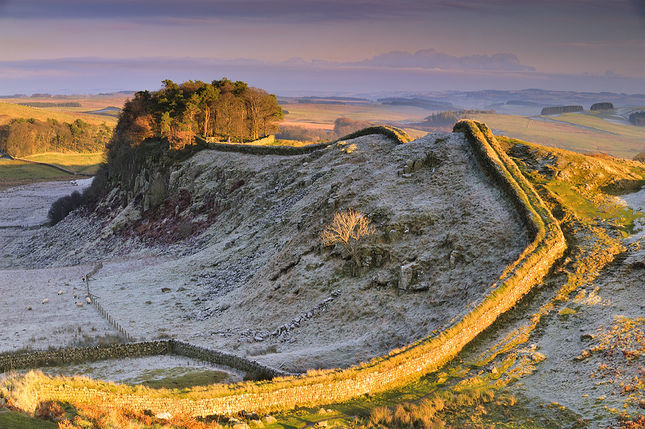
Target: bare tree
column 346, row 229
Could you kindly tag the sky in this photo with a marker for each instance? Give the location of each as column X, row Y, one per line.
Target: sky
column 323, row 47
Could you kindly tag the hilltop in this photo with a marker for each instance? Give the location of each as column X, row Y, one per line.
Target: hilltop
column 222, row 248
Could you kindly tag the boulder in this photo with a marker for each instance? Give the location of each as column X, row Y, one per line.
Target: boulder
column 269, row 420
column 409, row 277
column 157, row 191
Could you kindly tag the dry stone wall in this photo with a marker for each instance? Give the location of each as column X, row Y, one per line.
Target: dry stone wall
column 395, row 369
column 39, row 359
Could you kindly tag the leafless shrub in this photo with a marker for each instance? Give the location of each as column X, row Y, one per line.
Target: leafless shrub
column 346, row 229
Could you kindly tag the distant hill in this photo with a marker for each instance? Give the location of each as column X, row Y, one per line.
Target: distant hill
column 332, row 100
column 9, row 111
column 417, row 102
column 107, row 111
column 447, row 119
column 50, row 104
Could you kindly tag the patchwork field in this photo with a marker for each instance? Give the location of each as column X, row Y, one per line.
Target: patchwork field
column 581, row 132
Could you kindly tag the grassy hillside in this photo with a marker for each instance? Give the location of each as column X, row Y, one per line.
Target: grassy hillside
column 15, row 173
column 584, row 184
column 86, row 163
column 580, row 132
column 9, row 111
column 470, row 392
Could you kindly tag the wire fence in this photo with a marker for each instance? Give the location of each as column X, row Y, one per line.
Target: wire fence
column 102, row 311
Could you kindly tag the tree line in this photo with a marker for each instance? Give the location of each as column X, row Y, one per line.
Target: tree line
column 449, row 118
column 23, row 137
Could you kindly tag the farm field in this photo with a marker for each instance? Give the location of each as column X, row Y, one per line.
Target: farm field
column 16, row 172
column 587, row 132
column 322, row 115
column 83, row 163
column 9, row 111
column 579, row 132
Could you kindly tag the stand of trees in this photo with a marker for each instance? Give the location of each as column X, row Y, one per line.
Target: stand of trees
column 449, row 118
column 231, row 111
column 23, row 137
column 637, row 118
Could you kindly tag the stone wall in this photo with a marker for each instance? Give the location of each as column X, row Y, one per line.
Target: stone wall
column 253, row 369
column 45, row 358
column 270, row 139
column 39, row 359
column 396, row 134
column 396, row 369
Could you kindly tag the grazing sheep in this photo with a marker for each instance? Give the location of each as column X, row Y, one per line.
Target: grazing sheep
column 79, row 304
column 45, row 301
column 60, row 292
column 88, row 300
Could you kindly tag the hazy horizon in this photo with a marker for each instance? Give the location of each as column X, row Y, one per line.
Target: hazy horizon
column 332, row 47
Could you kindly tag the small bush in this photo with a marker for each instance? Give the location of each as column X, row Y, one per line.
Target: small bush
column 63, row 206
column 346, row 229
column 49, row 410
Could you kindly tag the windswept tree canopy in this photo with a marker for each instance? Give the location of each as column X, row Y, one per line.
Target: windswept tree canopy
column 229, row 110
column 154, row 121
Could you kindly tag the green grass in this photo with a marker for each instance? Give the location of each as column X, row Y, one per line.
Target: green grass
column 566, row 132
column 15, row 173
column 581, row 182
column 13, row 420
column 86, row 163
column 190, row 379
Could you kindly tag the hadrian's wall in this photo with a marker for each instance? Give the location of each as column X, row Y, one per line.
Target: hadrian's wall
column 397, row 368
column 257, row 148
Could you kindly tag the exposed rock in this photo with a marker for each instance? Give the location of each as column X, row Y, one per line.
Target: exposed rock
column 157, row 191
column 125, row 217
column 408, row 275
column 269, row 420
